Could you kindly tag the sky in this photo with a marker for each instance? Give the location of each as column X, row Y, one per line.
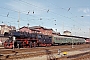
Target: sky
column 60, row 15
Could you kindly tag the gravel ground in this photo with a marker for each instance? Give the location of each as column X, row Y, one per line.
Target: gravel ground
column 44, row 57
column 70, row 51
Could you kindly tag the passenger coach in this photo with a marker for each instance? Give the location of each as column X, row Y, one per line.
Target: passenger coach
column 63, row 39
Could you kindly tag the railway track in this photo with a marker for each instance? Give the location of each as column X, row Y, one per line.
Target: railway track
column 81, row 56
column 74, row 57
column 39, row 51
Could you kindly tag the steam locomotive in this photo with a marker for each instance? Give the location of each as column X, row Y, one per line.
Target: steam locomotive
column 25, row 39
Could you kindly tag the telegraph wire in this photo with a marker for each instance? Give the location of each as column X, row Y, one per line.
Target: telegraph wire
column 47, row 11
column 55, row 13
column 66, row 10
column 50, row 11
column 7, row 15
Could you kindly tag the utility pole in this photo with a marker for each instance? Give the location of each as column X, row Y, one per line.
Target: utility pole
column 89, row 32
column 72, row 42
column 63, row 26
column 18, row 20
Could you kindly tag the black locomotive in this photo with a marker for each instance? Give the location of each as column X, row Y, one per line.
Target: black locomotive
column 25, row 39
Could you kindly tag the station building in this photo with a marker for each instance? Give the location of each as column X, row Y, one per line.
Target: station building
column 39, row 29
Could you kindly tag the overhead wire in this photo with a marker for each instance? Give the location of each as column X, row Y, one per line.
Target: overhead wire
column 72, row 15
column 68, row 11
column 44, row 10
column 15, row 11
column 28, row 12
column 36, row 7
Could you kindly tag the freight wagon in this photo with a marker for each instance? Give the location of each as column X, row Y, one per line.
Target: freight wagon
column 66, row 40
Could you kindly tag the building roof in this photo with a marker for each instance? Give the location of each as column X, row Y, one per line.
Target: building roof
column 37, row 27
column 2, row 25
column 8, row 26
column 66, row 31
column 75, row 36
column 30, row 28
column 12, row 27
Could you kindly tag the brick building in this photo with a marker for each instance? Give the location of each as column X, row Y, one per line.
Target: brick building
column 56, row 33
column 28, row 29
column 38, row 29
column 43, row 30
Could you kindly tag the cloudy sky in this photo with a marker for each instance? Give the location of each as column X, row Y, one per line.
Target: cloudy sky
column 71, row 15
